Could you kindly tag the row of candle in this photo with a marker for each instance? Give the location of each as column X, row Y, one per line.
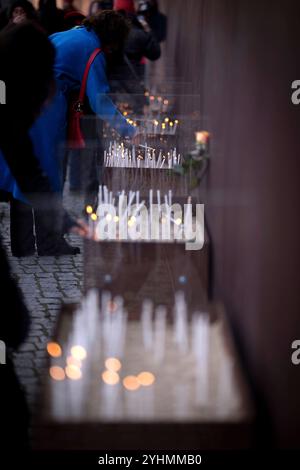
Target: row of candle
column 128, row 366
column 100, row 325
column 156, row 127
column 125, row 210
column 157, row 103
column 143, row 157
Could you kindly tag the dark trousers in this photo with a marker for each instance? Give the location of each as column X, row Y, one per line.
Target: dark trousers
column 29, row 229
column 85, row 164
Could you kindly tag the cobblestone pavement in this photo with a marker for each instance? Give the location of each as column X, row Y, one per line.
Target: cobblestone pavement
column 46, row 282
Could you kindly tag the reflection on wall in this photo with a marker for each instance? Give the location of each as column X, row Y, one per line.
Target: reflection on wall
column 242, row 57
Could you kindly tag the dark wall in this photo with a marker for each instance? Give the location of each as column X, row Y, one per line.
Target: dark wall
column 241, row 57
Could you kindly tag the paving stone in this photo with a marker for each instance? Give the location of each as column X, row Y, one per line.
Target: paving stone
column 27, row 347
column 25, row 372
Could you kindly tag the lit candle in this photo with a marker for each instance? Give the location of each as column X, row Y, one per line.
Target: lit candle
column 202, row 137
column 165, row 106
column 175, row 127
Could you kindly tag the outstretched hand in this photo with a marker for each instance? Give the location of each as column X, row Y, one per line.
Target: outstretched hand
column 80, row 228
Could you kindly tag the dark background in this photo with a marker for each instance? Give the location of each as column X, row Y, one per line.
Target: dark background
column 241, row 57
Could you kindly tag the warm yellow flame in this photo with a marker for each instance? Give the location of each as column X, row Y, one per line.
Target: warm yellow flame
column 202, row 137
column 72, row 361
column 78, row 352
column 54, row 349
column 116, row 218
column 131, row 221
column 176, row 121
column 57, row 373
column 73, row 372
column 110, row 377
column 146, row 379
column 178, row 221
column 131, row 383
column 113, row 364
column 171, row 124
column 94, row 217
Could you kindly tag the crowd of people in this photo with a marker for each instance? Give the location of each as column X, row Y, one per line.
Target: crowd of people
column 44, row 55
column 122, row 31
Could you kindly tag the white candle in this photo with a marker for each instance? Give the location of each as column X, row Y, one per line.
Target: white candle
column 158, row 199
column 160, row 333
column 175, row 127
column 170, row 198
column 147, row 324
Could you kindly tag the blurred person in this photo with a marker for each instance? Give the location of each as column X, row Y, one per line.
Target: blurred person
column 23, row 45
column 14, row 328
column 83, row 167
column 20, row 11
column 141, row 41
column 108, row 31
column 68, row 5
column 72, row 16
column 148, row 10
column 3, row 17
column 140, row 45
column 100, row 5
column 26, row 52
column 51, row 17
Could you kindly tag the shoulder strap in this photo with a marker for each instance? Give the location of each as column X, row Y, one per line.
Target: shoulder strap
column 86, row 73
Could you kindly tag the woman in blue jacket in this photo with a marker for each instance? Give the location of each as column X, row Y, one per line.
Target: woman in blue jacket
column 107, row 30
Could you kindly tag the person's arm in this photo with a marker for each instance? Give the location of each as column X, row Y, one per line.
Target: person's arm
column 97, row 93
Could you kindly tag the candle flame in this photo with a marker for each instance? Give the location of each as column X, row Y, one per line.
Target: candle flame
column 54, row 349
column 146, row 379
column 73, row 372
column 57, row 373
column 131, row 383
column 110, row 377
column 78, row 352
column 113, row 364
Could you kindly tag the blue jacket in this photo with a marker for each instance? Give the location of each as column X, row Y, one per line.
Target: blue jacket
column 73, row 49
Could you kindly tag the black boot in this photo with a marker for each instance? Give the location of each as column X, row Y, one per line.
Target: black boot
column 50, row 242
column 59, row 248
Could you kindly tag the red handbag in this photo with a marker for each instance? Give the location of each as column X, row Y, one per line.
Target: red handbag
column 75, row 138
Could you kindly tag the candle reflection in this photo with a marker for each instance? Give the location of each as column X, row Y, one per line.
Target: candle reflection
column 54, row 349
column 110, row 377
column 131, row 383
column 146, row 379
column 57, row 373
